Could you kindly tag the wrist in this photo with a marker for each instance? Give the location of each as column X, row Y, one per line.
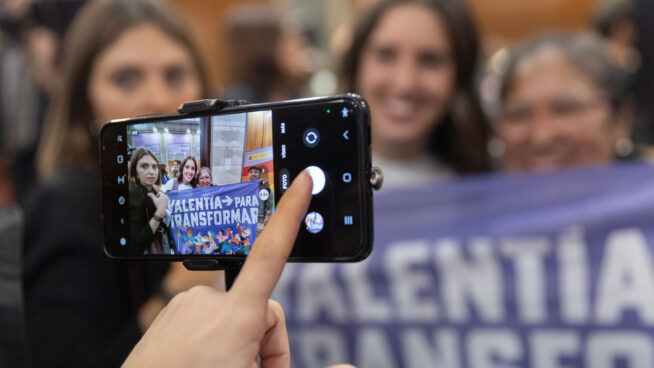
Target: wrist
column 161, row 212
column 149, row 311
column 157, row 217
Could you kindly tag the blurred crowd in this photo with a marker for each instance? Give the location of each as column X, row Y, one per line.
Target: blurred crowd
column 476, row 88
column 440, row 107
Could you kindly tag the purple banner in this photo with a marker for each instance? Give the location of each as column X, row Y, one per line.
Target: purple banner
column 214, row 220
column 541, row 270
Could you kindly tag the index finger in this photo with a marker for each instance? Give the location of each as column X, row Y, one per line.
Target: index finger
column 270, row 250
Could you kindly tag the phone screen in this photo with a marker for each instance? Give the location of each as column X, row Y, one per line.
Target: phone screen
column 206, row 186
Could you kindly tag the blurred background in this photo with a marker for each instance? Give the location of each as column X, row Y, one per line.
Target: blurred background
column 320, row 32
column 501, row 22
column 445, row 112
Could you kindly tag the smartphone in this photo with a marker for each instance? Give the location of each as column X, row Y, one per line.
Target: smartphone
column 204, row 184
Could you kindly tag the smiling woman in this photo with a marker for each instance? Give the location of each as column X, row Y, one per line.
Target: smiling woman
column 186, row 178
column 564, row 103
column 414, row 62
column 204, row 177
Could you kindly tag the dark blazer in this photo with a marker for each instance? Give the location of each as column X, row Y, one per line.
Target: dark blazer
column 140, row 232
column 81, row 306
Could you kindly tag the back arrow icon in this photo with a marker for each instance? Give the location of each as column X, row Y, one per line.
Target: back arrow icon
column 345, row 135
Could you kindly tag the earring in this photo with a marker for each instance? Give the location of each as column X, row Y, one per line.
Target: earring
column 624, row 147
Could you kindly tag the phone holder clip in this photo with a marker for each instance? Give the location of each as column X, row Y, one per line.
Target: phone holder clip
column 231, row 268
column 376, row 178
column 208, row 105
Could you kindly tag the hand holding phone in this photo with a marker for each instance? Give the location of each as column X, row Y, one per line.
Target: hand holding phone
column 260, row 328
column 252, row 152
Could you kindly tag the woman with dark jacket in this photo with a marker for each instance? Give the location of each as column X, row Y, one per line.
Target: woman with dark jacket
column 148, row 234
column 121, row 58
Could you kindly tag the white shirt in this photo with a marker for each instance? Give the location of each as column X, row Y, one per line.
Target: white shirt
column 169, row 186
column 403, row 174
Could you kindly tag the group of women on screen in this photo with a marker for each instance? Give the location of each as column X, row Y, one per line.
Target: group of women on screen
column 563, row 103
column 148, row 200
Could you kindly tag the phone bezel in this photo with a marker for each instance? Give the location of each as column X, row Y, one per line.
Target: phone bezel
column 364, row 164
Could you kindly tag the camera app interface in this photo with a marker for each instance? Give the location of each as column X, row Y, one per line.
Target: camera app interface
column 206, row 186
column 182, row 202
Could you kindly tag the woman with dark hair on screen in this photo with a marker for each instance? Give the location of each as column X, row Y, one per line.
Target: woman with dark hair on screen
column 414, row 62
column 121, row 58
column 148, row 234
column 186, row 177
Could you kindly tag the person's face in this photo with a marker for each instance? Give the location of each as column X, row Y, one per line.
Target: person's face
column 204, row 179
column 188, row 172
column 147, row 170
column 142, row 72
column 407, row 75
column 553, row 116
column 254, row 174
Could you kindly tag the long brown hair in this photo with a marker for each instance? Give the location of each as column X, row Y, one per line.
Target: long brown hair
column 460, row 139
column 68, row 138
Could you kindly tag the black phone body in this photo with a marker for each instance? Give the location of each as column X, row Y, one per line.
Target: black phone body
column 253, row 152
